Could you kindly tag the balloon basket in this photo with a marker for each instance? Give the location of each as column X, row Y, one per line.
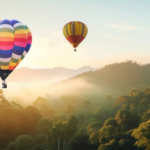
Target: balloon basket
column 4, row 85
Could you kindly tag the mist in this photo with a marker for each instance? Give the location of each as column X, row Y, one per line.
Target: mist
column 25, row 93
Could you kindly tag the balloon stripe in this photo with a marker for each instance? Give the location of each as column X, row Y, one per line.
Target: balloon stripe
column 5, row 55
column 28, row 47
column 21, row 31
column 29, row 34
column 6, row 52
column 18, row 48
column 18, row 24
column 12, row 67
column 20, row 36
column 22, row 57
column 5, row 63
column 21, row 40
column 12, row 64
column 85, row 31
column 15, row 56
column 76, row 28
column 24, row 53
column 80, row 28
column 14, row 60
column 73, row 28
column 75, row 44
column 6, row 26
column 5, row 21
column 7, row 30
column 19, row 28
column 29, row 37
column 6, row 43
column 64, row 31
column 83, row 28
column 18, row 52
column 4, row 67
column 6, row 39
column 76, row 38
column 21, row 44
column 69, row 29
column 6, row 34
column 4, row 59
column 6, row 48
column 30, row 41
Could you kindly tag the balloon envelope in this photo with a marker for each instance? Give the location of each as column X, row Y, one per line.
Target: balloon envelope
column 75, row 32
column 15, row 42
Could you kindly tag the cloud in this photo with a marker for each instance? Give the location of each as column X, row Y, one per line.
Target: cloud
column 123, row 27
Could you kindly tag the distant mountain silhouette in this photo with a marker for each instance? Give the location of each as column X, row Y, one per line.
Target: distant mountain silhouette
column 48, row 74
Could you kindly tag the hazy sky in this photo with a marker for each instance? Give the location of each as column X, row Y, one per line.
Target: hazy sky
column 117, row 30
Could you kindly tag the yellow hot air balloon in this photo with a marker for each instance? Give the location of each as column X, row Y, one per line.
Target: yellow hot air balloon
column 75, row 32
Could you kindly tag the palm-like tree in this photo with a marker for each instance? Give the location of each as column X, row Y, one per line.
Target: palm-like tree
column 57, row 132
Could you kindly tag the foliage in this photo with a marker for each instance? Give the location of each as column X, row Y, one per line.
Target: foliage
column 94, row 123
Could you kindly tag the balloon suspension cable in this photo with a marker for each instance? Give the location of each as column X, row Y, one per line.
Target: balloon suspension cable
column 75, row 50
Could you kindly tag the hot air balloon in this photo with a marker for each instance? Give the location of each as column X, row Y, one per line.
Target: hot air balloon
column 75, row 32
column 15, row 42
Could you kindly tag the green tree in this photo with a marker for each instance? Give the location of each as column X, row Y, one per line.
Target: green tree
column 142, row 134
column 146, row 116
column 112, row 122
column 93, row 132
column 23, row 142
column 109, row 146
column 126, row 119
column 79, row 141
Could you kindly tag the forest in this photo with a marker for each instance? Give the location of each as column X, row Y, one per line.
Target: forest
column 72, row 122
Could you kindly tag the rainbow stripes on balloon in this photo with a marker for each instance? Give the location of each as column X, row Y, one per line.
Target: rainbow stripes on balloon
column 15, row 42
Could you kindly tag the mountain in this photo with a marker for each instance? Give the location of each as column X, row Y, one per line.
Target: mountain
column 113, row 78
column 49, row 74
column 116, row 79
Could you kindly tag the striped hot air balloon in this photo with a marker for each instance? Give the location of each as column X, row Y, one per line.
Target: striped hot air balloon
column 75, row 32
column 15, row 42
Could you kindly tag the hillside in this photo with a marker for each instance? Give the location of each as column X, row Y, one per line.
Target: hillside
column 117, row 78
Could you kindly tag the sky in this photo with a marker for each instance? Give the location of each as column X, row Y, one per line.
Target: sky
column 118, row 30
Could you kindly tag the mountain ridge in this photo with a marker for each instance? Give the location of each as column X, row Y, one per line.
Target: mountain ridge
column 117, row 77
column 26, row 74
